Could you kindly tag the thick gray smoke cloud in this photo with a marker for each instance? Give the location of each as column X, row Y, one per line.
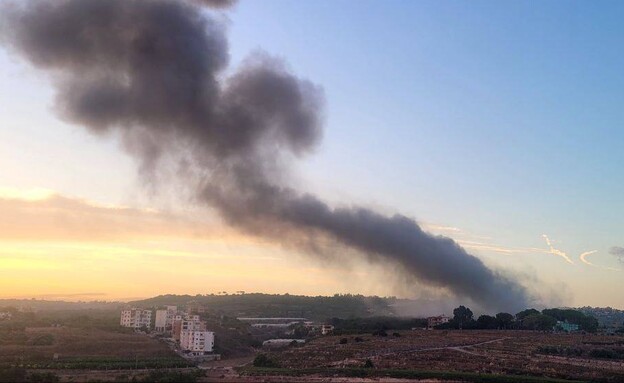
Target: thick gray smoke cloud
column 152, row 71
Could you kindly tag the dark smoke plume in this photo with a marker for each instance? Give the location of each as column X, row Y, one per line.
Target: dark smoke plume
column 151, row 70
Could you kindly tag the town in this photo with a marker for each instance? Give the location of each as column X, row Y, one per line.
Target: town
column 188, row 335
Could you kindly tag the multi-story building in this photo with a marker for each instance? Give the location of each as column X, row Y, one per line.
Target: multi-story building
column 136, row 318
column 164, row 319
column 197, row 342
column 186, row 322
column 195, row 307
column 567, row 327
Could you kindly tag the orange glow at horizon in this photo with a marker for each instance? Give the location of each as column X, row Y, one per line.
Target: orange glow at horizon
column 54, row 246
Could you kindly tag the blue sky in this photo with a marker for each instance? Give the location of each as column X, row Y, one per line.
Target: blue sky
column 496, row 116
column 500, row 119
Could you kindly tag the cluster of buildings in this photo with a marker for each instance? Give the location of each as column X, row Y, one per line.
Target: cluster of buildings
column 275, row 323
column 184, row 328
column 6, row 315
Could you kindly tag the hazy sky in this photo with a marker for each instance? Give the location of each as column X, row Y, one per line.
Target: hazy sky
column 494, row 123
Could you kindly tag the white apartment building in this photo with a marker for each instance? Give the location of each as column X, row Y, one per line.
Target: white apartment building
column 193, row 325
column 197, row 342
column 186, row 322
column 136, row 318
column 160, row 323
column 164, row 318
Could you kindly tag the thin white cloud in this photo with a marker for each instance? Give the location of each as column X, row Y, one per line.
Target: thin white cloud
column 583, row 257
column 471, row 241
column 485, row 246
column 555, row 251
column 440, row 228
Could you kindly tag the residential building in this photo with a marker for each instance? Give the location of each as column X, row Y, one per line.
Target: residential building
column 160, row 324
column 327, row 329
column 436, row 321
column 164, row 319
column 197, row 342
column 136, row 318
column 195, row 307
column 186, row 322
column 567, row 327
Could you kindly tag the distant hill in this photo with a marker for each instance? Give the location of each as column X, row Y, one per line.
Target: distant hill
column 275, row 305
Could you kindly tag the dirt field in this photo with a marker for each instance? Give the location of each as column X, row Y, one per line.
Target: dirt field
column 433, row 356
column 485, row 352
column 84, row 343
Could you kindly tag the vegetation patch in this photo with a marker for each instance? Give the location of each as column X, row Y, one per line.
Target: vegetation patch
column 401, row 374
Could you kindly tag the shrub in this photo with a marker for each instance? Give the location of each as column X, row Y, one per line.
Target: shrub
column 44, row 377
column 368, row 364
column 263, row 360
column 12, row 374
column 603, row 354
column 552, row 350
column 344, row 341
column 43, row 340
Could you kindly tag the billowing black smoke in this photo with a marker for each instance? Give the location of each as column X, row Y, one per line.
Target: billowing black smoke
column 152, row 71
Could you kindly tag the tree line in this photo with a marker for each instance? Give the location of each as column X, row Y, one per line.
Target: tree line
column 529, row 319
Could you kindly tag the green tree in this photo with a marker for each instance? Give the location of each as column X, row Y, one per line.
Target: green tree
column 585, row 322
column 539, row 322
column 504, row 320
column 462, row 315
column 525, row 313
column 300, row 331
column 487, row 322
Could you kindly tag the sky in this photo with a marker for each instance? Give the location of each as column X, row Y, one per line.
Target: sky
column 497, row 124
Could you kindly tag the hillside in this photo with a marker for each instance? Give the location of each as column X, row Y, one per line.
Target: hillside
column 274, row 305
